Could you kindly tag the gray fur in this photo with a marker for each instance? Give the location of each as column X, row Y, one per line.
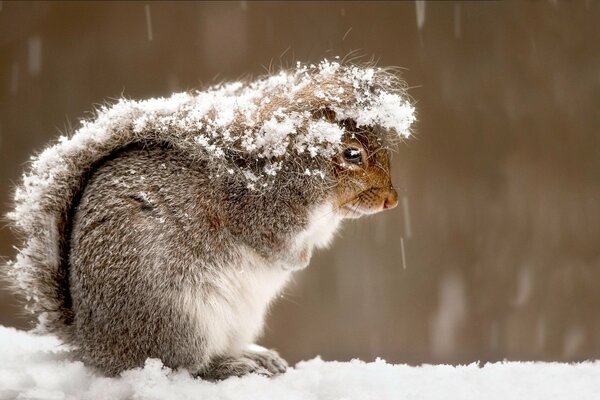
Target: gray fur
column 151, row 223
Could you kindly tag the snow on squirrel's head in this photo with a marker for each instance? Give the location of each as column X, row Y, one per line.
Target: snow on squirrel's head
column 329, row 121
column 325, row 125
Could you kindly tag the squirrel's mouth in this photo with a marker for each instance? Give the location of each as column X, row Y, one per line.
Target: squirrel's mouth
column 370, row 201
column 353, row 211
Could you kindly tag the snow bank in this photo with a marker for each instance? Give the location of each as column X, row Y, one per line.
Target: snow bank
column 36, row 367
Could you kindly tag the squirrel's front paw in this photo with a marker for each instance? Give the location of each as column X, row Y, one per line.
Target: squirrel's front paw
column 225, row 367
column 268, row 359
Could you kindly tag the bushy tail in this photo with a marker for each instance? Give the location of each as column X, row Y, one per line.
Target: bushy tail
column 43, row 206
column 45, row 199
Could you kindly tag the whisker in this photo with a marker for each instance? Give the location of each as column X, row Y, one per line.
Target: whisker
column 338, row 208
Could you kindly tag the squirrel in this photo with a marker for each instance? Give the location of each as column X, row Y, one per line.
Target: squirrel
column 164, row 228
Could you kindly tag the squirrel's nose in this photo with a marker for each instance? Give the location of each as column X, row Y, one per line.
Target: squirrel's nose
column 391, row 200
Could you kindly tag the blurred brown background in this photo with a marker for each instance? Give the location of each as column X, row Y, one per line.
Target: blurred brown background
column 500, row 212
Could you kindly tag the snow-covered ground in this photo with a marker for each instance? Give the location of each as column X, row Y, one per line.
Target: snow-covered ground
column 35, row 367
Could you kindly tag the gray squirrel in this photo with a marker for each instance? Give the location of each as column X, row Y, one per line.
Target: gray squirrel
column 163, row 228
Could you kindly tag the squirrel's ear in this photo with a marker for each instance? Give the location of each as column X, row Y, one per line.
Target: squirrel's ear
column 325, row 113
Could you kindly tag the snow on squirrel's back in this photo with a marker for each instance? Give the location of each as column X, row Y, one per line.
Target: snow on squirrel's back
column 36, row 367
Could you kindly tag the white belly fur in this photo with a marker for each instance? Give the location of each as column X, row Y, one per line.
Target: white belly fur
column 231, row 317
column 230, row 313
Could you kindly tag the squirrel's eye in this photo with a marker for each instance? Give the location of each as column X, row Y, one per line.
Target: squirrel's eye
column 353, row 155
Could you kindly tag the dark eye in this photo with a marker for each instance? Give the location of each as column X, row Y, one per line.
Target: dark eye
column 353, row 155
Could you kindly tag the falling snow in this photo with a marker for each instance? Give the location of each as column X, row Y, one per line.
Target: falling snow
column 148, row 22
column 420, row 10
column 407, row 221
column 14, row 78
column 34, row 55
column 451, row 312
column 457, row 21
column 403, row 253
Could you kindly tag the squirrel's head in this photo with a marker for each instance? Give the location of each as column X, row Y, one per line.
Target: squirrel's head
column 362, row 171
